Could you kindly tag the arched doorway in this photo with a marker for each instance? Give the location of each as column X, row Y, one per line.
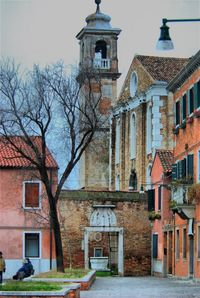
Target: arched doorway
column 103, row 220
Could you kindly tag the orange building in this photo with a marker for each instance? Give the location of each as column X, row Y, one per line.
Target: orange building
column 185, row 193
column 24, row 225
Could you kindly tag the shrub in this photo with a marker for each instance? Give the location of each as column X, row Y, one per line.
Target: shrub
column 153, row 215
column 194, row 193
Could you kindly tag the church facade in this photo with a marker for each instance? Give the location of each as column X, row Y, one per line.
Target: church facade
column 142, row 121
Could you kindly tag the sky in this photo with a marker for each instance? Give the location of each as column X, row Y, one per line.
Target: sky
column 44, row 31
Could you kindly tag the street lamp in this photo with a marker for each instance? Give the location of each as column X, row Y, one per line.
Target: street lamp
column 165, row 42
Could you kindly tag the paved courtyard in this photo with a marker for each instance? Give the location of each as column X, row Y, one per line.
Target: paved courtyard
column 142, row 287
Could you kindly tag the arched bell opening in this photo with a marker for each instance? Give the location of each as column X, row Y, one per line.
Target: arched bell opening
column 101, row 47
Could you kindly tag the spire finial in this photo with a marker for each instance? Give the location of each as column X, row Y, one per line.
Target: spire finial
column 98, row 3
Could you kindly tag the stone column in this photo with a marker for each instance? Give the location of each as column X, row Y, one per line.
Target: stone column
column 121, row 252
column 86, row 237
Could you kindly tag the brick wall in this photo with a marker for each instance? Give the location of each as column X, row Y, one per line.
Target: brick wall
column 130, row 209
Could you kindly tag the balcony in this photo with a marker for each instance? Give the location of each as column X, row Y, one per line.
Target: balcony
column 181, row 202
column 101, row 63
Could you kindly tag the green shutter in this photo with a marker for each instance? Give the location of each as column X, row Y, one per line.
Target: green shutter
column 179, row 169
column 190, row 166
column 174, row 171
column 155, row 246
column 184, row 107
column 196, row 96
column 159, row 197
column 183, row 167
column 151, row 199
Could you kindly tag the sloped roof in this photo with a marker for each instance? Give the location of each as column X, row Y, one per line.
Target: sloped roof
column 162, row 68
column 9, row 158
column 166, row 157
column 185, row 73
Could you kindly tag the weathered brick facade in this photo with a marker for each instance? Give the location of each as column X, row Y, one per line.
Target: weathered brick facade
column 130, row 209
column 98, row 36
column 153, row 114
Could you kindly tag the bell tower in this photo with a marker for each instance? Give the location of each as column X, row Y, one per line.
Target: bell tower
column 98, row 49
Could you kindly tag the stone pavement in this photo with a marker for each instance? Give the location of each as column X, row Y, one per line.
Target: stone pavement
column 142, row 287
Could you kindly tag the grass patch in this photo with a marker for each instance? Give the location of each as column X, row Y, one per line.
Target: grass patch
column 103, row 273
column 69, row 273
column 29, row 286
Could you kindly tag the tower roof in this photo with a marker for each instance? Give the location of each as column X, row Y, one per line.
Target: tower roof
column 98, row 22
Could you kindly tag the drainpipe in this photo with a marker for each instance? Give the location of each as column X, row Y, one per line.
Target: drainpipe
column 174, row 245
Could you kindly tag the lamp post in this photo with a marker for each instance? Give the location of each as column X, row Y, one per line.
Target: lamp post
column 165, row 42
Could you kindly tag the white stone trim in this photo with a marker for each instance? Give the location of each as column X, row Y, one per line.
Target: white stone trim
column 40, row 194
column 120, row 232
column 40, row 243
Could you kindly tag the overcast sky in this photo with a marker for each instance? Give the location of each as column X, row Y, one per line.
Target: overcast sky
column 43, row 31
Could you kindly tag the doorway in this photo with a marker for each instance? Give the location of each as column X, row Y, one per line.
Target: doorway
column 115, row 236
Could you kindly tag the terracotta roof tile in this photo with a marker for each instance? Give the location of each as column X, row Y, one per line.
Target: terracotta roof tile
column 166, row 158
column 162, row 68
column 10, row 158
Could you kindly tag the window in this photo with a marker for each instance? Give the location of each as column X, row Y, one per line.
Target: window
column 148, row 177
column 117, row 148
column 31, row 245
column 198, row 167
column 197, row 95
column 159, row 197
column 184, row 243
column 133, row 84
column 191, row 100
column 183, row 105
column 117, row 183
column 184, row 169
column 155, row 246
column 177, row 244
column 98, row 252
column 177, row 113
column 132, row 137
column 149, row 129
column 198, row 249
column 32, row 193
column 151, row 199
column 190, row 166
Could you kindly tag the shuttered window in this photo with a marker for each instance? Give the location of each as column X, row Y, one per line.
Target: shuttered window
column 191, row 100
column 32, row 195
column 197, row 94
column 183, row 168
column 184, row 243
column 199, row 166
column 151, row 199
column 155, row 246
column 184, row 112
column 177, row 113
column 177, row 245
column 190, row 166
column 174, row 171
column 159, row 197
column 198, row 235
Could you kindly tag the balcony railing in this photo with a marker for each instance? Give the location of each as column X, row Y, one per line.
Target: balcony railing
column 101, row 63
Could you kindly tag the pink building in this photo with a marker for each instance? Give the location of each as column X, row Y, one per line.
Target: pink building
column 160, row 214
column 24, row 212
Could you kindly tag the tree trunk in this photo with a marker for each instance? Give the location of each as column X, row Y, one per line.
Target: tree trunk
column 57, row 235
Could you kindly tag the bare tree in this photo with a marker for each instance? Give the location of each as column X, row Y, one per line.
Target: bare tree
column 53, row 105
